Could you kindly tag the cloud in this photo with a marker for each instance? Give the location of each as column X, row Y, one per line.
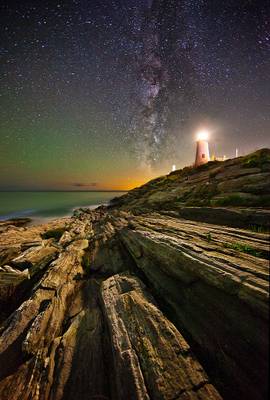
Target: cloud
column 86, row 185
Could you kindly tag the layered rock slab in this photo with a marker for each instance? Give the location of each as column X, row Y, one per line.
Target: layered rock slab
column 30, row 336
column 151, row 357
column 216, row 295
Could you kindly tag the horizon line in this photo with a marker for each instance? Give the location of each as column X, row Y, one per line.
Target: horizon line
column 63, row 191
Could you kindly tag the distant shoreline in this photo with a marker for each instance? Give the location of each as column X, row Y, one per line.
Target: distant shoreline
column 21, row 221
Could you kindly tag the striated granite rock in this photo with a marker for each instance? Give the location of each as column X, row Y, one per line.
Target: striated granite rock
column 129, row 303
column 151, row 357
column 217, row 295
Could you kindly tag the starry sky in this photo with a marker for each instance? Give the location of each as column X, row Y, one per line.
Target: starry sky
column 106, row 94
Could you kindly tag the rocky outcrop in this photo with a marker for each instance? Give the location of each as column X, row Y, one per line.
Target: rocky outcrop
column 14, row 222
column 69, row 331
column 127, row 304
column 238, row 183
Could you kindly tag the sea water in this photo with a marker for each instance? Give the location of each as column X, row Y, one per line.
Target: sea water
column 49, row 204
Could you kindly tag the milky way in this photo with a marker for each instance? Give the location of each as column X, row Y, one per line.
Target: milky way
column 110, row 93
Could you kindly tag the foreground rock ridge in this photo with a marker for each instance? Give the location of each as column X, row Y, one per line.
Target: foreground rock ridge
column 142, row 299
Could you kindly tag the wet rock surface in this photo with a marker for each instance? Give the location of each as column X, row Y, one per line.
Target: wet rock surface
column 114, row 303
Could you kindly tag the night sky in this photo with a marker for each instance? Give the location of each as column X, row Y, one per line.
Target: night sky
column 108, row 94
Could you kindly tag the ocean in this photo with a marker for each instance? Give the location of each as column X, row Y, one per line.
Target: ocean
column 49, row 205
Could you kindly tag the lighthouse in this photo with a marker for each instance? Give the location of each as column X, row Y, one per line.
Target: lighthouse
column 202, row 149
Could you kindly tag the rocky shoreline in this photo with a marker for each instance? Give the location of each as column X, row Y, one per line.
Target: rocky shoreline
column 14, row 222
column 154, row 297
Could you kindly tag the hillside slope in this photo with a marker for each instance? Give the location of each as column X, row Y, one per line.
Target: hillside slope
column 242, row 182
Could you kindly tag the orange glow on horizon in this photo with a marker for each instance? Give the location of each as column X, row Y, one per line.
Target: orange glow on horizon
column 123, row 184
column 126, row 186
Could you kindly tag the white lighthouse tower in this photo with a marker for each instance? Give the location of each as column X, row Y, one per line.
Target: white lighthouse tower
column 202, row 149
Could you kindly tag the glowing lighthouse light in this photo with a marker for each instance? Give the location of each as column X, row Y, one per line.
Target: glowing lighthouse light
column 202, row 135
column 202, row 150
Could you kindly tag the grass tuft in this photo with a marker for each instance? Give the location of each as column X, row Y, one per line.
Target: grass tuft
column 244, row 248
